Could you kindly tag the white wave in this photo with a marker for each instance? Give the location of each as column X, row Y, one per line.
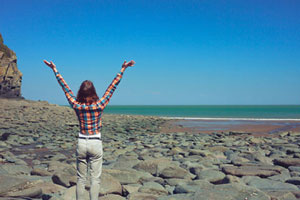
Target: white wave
column 234, row 119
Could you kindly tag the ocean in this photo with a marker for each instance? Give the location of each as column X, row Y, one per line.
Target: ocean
column 238, row 112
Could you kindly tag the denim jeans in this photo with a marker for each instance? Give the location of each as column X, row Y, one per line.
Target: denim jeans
column 89, row 151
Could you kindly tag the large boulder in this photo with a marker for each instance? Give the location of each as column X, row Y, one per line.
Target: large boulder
column 10, row 76
column 110, row 185
column 66, row 177
column 9, row 183
column 14, row 169
column 12, row 186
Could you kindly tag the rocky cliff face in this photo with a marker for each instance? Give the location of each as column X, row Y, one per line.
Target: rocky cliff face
column 10, row 76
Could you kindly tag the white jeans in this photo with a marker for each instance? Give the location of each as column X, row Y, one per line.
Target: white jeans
column 88, row 151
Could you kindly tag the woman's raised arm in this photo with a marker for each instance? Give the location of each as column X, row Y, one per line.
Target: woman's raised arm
column 112, row 87
column 68, row 92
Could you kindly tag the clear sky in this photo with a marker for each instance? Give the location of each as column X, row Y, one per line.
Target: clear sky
column 186, row 52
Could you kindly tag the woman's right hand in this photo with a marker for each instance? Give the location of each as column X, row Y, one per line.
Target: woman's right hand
column 50, row 64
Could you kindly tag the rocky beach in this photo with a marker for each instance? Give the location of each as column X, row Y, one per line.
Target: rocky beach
column 141, row 159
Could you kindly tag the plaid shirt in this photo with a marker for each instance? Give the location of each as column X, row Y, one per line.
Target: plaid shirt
column 89, row 116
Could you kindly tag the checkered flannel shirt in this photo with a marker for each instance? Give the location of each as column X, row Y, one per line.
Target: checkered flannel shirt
column 89, row 116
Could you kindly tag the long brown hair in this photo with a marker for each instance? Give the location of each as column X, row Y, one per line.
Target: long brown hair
column 87, row 93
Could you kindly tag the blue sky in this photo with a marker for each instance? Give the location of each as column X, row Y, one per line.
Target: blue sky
column 186, row 52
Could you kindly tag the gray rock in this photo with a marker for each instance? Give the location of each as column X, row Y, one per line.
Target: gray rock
column 285, row 174
column 153, row 188
column 140, row 196
column 294, row 168
column 14, row 169
column 40, row 172
column 153, row 179
column 287, row 162
column 32, row 192
column 294, row 181
column 19, row 187
column 5, row 136
column 65, row 179
column 109, row 185
column 281, row 195
column 70, row 194
column 125, row 162
column 212, row 176
column 170, row 189
column 176, row 181
column 127, row 176
column 199, row 152
column 54, row 166
column 131, row 188
column 63, row 174
column 269, row 185
column 112, row 197
column 192, row 187
column 9, row 183
column 251, row 171
column 232, row 179
column 192, row 166
column 177, row 197
column 231, row 191
column 49, row 188
column 176, row 172
column 153, row 166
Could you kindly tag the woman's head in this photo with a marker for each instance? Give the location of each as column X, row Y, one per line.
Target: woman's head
column 87, row 93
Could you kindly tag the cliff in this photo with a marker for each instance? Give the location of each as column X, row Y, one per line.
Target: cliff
column 10, row 76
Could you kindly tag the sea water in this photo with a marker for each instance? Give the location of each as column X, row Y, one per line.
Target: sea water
column 215, row 112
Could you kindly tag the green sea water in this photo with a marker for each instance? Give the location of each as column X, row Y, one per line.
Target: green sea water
column 211, row 111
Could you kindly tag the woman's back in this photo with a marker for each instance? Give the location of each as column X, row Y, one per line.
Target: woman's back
column 89, row 117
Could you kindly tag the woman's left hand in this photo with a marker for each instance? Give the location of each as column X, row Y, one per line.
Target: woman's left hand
column 50, row 64
column 128, row 64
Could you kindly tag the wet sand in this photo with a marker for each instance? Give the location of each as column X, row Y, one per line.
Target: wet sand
column 254, row 127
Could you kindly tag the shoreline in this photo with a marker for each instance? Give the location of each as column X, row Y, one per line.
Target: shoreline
column 255, row 127
column 230, row 119
column 261, row 126
column 209, row 118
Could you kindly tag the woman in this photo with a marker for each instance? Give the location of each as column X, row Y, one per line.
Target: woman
column 89, row 108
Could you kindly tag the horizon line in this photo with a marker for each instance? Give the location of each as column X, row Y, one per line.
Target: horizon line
column 204, row 105
column 198, row 105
